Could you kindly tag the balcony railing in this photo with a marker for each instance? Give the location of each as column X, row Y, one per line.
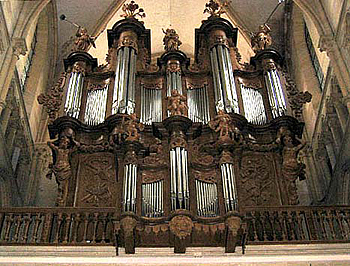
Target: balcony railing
column 101, row 226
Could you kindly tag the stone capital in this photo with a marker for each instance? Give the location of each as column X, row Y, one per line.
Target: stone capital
column 19, row 46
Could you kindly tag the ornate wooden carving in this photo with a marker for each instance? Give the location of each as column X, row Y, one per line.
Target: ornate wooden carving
column 257, row 182
column 52, row 101
column 97, row 183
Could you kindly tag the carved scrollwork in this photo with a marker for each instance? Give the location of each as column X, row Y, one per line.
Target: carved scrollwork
column 130, row 157
column 226, row 157
column 296, row 98
column 52, row 100
column 150, row 176
column 178, row 141
column 257, row 183
column 181, row 226
column 206, row 176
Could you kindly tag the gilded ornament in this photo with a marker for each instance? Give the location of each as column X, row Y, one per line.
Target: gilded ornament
column 132, row 10
column 214, row 8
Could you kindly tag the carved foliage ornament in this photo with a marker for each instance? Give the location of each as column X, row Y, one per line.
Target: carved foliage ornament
column 214, row 8
column 296, row 98
column 181, row 226
column 132, row 10
column 53, row 99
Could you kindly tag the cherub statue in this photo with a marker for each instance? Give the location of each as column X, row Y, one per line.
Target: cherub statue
column 61, row 167
column 132, row 128
column 83, row 40
column 171, row 40
column 223, row 123
column 262, row 39
column 177, row 104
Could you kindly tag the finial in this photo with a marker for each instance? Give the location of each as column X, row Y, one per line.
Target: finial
column 214, row 8
column 171, row 40
column 261, row 40
column 130, row 11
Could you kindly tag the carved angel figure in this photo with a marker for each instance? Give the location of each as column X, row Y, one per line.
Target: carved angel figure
column 132, row 128
column 171, row 40
column 83, row 40
column 177, row 104
column 61, row 167
column 262, row 39
column 223, row 123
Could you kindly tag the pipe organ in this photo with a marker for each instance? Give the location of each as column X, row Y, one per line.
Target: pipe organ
column 124, row 86
column 198, row 104
column 253, row 105
column 179, row 188
column 275, row 92
column 151, row 105
column 96, row 103
column 175, row 143
column 74, row 93
column 224, row 82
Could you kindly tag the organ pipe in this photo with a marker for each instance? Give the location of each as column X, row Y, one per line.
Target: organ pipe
column 130, row 179
column 275, row 93
column 224, row 84
column 96, row 103
column 207, row 199
column 179, row 188
column 198, row 108
column 253, row 105
column 152, row 199
column 151, row 105
column 124, row 86
column 74, row 93
column 229, row 186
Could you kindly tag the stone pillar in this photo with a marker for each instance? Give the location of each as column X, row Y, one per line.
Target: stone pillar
column 19, row 47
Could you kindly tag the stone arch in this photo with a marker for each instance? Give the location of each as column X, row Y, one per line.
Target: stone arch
column 315, row 12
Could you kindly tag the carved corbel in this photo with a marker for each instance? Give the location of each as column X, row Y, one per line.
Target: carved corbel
column 326, row 44
column 181, row 226
column 233, row 225
column 19, row 47
column 128, row 225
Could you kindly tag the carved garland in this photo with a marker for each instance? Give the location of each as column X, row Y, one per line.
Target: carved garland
column 52, row 101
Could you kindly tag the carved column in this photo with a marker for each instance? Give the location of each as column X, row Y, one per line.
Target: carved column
column 19, row 48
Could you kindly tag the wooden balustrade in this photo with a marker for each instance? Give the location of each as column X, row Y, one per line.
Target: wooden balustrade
column 297, row 224
column 100, row 226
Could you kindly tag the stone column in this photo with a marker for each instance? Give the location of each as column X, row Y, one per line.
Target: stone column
column 19, row 47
